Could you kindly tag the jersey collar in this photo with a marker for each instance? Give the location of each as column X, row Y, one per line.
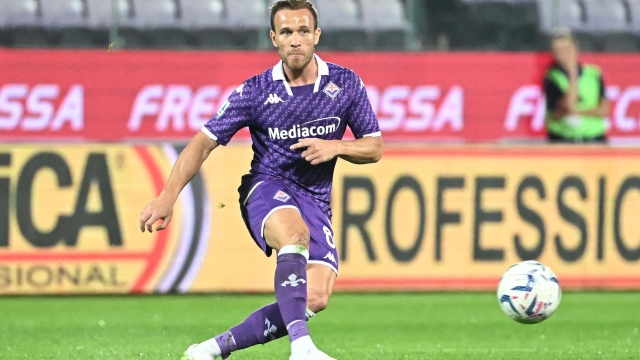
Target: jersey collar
column 278, row 74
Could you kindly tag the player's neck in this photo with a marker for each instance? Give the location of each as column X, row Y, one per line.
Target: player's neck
column 305, row 76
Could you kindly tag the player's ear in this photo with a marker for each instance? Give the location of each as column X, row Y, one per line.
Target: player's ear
column 272, row 35
column 318, row 32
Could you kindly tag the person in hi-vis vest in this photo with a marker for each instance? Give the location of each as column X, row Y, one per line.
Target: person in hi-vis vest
column 575, row 93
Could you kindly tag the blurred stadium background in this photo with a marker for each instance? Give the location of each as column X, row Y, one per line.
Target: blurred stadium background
column 350, row 25
column 98, row 97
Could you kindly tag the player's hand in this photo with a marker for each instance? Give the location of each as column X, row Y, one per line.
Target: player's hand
column 573, row 121
column 159, row 209
column 318, row 150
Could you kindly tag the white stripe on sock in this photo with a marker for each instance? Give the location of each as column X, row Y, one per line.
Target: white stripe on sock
column 293, row 322
column 294, row 249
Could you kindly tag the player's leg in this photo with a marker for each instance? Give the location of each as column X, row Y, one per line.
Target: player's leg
column 287, row 232
column 266, row 324
column 321, row 280
column 322, row 267
column 320, row 275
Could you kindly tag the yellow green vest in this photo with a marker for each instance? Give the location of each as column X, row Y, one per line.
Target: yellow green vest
column 589, row 98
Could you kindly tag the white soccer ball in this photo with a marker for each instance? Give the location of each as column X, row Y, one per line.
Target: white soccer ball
column 529, row 292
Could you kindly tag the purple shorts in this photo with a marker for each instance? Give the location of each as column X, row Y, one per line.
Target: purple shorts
column 265, row 197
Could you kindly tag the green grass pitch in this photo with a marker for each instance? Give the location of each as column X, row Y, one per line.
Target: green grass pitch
column 356, row 326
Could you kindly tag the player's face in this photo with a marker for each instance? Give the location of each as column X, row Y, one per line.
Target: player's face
column 294, row 37
column 564, row 51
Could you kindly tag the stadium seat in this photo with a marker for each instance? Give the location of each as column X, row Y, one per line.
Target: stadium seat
column 387, row 21
column 524, row 25
column 68, row 20
column 100, row 13
column 634, row 10
column 572, row 14
column 342, row 25
column 490, row 11
column 609, row 16
column 20, row 13
column 156, row 13
column 159, row 20
column 502, row 24
column 203, row 13
column 101, row 20
column 613, row 22
column 569, row 13
column 206, row 21
column 64, row 13
column 24, row 19
column 491, row 19
column 248, row 20
column 440, row 28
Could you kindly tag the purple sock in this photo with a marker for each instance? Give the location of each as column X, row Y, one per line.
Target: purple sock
column 291, row 292
column 262, row 326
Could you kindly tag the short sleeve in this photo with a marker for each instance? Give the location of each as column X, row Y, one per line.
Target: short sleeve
column 235, row 113
column 360, row 115
column 553, row 94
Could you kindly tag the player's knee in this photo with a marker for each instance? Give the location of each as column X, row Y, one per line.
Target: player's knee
column 301, row 237
column 317, row 302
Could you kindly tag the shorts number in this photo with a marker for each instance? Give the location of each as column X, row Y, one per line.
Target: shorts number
column 329, row 237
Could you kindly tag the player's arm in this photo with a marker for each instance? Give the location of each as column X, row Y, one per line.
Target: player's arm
column 360, row 151
column 234, row 114
column 601, row 110
column 604, row 106
column 185, row 168
column 569, row 102
column 556, row 99
column 563, row 109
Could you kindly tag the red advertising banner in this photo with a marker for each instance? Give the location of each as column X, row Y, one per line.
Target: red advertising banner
column 133, row 95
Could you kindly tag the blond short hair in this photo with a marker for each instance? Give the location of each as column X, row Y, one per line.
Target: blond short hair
column 563, row 34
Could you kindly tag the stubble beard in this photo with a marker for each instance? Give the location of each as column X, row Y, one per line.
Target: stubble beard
column 297, row 66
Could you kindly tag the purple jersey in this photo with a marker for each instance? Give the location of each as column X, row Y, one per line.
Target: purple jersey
column 277, row 119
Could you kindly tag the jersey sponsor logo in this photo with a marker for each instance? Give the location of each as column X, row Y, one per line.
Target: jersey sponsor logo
column 273, row 99
column 293, row 281
column 281, row 196
column 326, row 126
column 330, row 257
column 224, row 108
column 332, row 90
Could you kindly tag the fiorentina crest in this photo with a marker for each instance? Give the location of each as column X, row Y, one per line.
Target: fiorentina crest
column 281, row 196
column 332, row 90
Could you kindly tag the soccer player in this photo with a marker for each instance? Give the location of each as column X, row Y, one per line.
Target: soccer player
column 297, row 113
